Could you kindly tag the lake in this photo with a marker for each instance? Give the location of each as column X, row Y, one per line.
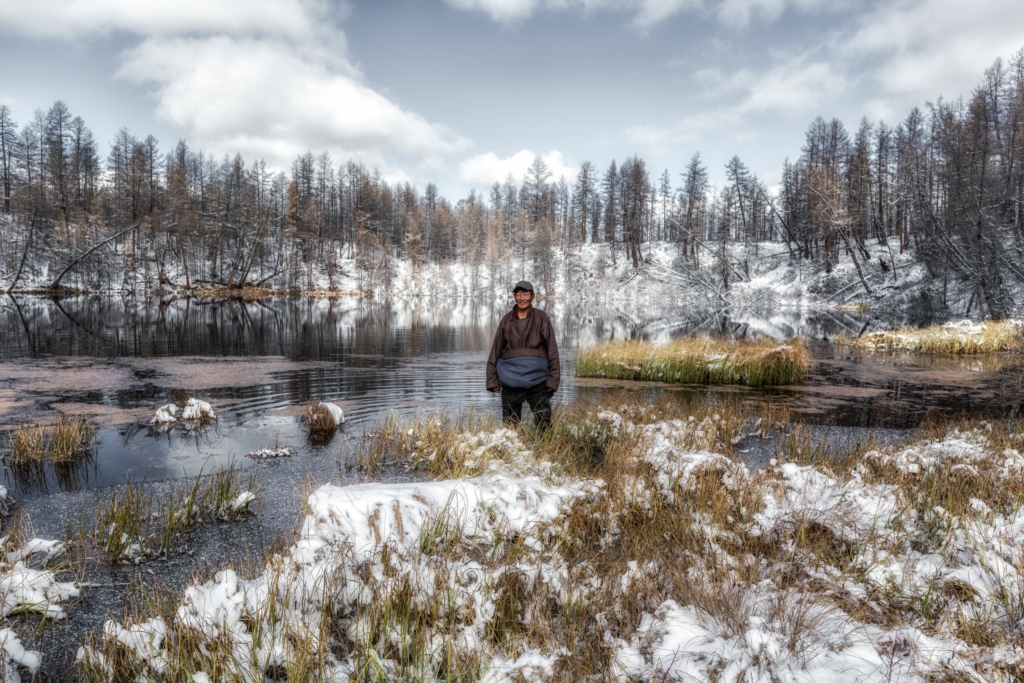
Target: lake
column 260, row 362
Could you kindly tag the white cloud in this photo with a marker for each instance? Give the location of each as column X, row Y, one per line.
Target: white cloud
column 502, row 11
column 76, row 18
column 483, row 170
column 647, row 13
column 924, row 48
column 270, row 97
column 795, row 87
column 267, row 78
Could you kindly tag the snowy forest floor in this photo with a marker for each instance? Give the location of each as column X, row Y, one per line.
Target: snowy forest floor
column 762, row 274
column 634, row 541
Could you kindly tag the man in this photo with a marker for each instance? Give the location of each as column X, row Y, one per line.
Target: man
column 523, row 365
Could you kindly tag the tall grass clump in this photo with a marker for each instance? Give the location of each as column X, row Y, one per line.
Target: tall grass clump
column 133, row 523
column 963, row 337
column 439, row 445
column 65, row 441
column 319, row 418
column 699, row 360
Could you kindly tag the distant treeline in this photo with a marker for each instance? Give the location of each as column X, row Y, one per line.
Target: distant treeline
column 946, row 182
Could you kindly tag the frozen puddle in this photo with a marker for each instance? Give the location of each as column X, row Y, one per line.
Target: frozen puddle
column 793, row 573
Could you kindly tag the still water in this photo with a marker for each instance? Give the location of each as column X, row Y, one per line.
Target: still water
column 259, row 363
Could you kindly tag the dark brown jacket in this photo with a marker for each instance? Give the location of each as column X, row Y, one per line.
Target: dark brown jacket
column 531, row 336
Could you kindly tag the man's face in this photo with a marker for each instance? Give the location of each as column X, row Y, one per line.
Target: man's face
column 523, row 299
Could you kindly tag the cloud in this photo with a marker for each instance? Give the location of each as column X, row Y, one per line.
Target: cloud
column 249, row 95
column 78, row 18
column 268, row 78
column 798, row 86
column 647, row 13
column 483, row 170
column 923, row 48
column 502, row 11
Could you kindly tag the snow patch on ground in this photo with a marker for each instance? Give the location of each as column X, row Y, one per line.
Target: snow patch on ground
column 360, row 546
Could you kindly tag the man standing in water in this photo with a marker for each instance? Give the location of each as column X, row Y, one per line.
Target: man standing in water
column 523, row 365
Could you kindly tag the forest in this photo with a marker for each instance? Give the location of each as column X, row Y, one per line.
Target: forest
column 945, row 184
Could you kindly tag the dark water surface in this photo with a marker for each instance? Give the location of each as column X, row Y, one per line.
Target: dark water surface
column 260, row 362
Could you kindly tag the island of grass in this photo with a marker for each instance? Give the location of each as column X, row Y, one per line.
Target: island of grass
column 699, row 360
column 961, row 337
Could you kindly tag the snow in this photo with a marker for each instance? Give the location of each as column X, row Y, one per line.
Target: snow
column 197, row 409
column 361, row 543
column 5, row 501
column 165, row 414
column 15, row 655
column 241, row 501
column 271, row 453
column 194, row 409
column 337, row 414
column 25, row 588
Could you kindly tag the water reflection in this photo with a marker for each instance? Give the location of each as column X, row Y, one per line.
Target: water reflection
column 360, row 331
column 260, row 362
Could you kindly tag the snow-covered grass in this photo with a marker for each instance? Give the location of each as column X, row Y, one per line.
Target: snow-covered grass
column 962, row 337
column 132, row 525
column 195, row 412
column 30, row 582
column 701, row 360
column 324, row 417
column 65, row 441
column 274, row 453
column 626, row 543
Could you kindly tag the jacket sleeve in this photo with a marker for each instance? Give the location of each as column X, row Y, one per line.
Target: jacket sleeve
column 492, row 359
column 554, row 366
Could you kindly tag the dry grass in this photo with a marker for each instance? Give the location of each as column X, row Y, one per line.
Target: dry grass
column 964, row 337
column 432, row 443
column 739, row 548
column 133, row 524
column 66, row 441
column 699, row 360
column 319, row 418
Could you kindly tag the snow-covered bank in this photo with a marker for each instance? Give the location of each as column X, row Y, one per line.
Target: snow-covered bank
column 759, row 274
column 660, row 559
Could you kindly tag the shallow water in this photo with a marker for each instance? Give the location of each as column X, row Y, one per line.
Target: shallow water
column 259, row 363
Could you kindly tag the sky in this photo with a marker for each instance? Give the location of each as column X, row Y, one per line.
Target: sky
column 464, row 92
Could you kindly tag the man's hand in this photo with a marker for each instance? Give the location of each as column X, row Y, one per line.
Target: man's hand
column 495, row 391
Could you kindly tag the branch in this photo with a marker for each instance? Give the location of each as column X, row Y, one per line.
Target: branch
column 56, row 283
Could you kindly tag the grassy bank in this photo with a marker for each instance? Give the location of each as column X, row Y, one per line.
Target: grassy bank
column 963, row 337
column 626, row 543
column 698, row 360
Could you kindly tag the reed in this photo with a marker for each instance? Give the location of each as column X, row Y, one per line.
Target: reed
column 655, row 517
column 65, row 441
column 133, row 523
column 963, row 337
column 699, row 360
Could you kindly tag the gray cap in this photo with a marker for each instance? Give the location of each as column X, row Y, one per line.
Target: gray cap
column 523, row 284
